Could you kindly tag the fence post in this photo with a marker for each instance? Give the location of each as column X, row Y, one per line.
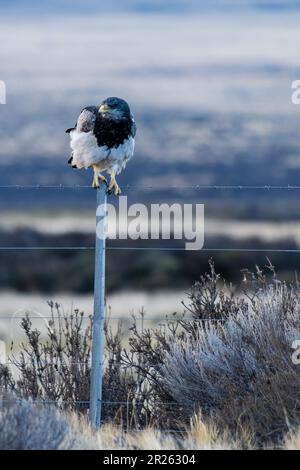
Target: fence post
column 99, row 310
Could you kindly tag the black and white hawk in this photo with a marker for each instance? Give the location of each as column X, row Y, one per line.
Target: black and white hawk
column 103, row 138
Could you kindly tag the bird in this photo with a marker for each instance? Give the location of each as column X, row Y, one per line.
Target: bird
column 103, row 138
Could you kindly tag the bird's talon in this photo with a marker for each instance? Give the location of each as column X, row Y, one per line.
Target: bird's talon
column 98, row 179
column 103, row 179
column 114, row 187
column 95, row 185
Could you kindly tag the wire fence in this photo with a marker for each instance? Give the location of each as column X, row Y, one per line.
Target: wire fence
column 155, row 248
column 267, row 188
column 87, row 317
column 86, row 402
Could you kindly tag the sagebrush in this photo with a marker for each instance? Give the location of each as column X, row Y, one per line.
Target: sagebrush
column 227, row 357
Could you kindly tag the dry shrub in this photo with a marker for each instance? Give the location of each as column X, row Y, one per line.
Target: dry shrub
column 228, row 356
column 240, row 372
column 6, row 380
column 211, row 302
column 28, row 426
column 210, row 298
column 56, row 369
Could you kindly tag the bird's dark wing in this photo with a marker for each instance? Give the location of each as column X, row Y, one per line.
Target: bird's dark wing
column 113, row 133
column 86, row 120
column 85, row 123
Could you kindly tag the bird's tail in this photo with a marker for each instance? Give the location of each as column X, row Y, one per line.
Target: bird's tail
column 70, row 162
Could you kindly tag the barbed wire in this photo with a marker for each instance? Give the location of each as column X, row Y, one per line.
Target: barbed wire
column 149, row 248
column 86, row 402
column 87, row 317
column 107, row 402
column 87, row 363
column 265, row 187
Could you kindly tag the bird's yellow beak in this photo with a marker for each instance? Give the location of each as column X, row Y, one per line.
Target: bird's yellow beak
column 104, row 108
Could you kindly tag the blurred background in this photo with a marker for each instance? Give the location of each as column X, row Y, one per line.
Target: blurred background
column 210, row 85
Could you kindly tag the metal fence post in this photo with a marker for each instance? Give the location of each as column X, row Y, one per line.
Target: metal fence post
column 99, row 310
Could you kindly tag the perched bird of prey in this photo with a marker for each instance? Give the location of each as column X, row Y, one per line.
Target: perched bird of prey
column 103, row 138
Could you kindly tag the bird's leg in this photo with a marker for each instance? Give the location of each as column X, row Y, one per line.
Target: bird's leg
column 97, row 178
column 96, row 183
column 113, row 185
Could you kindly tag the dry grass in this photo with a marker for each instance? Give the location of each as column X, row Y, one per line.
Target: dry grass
column 24, row 425
column 292, row 440
column 203, row 435
column 200, row 435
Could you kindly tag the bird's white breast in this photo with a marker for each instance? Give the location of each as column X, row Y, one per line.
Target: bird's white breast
column 119, row 156
column 86, row 152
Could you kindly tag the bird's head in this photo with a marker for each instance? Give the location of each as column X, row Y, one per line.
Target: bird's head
column 115, row 108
